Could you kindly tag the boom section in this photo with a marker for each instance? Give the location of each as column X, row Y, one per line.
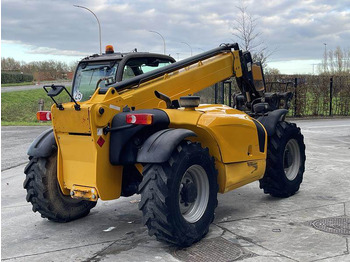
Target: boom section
column 177, row 82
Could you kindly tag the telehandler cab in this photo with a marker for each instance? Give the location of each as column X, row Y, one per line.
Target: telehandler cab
column 133, row 127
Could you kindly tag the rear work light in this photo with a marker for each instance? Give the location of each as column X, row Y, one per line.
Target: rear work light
column 139, row 119
column 43, row 115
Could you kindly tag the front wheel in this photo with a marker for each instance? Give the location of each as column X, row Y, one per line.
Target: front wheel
column 178, row 197
column 45, row 194
column 285, row 162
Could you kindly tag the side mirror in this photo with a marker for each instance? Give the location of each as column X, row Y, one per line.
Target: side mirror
column 55, row 90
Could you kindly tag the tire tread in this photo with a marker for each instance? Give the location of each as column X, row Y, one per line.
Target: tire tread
column 273, row 182
column 155, row 197
column 36, row 184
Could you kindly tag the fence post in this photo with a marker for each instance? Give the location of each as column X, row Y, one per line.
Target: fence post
column 330, row 95
column 222, row 92
column 229, row 93
column 41, row 104
column 295, row 96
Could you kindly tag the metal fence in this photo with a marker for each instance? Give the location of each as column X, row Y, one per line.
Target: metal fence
column 313, row 95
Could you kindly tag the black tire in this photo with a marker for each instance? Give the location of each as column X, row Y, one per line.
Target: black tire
column 285, row 163
column 163, row 214
column 44, row 193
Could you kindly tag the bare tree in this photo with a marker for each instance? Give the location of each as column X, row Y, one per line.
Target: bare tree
column 339, row 59
column 347, row 60
column 72, row 66
column 271, row 71
column 245, row 30
column 325, row 59
column 335, row 62
column 10, row 64
column 330, row 61
column 50, row 68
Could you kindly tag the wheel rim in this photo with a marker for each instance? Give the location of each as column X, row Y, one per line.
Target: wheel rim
column 193, row 193
column 291, row 159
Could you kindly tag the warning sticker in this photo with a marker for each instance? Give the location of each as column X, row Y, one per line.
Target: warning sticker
column 100, row 141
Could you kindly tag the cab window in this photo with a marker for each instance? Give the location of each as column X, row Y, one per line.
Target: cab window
column 138, row 66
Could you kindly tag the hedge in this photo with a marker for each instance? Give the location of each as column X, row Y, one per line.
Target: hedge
column 15, row 77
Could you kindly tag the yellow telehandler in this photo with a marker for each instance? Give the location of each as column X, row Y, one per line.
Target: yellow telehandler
column 133, row 126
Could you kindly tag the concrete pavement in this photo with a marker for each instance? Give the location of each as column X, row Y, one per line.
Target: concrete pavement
column 313, row 225
column 15, row 143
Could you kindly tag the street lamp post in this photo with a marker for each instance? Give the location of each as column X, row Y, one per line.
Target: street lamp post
column 200, row 49
column 161, row 37
column 98, row 21
column 188, row 46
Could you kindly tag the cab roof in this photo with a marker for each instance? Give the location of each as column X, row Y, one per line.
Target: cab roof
column 121, row 56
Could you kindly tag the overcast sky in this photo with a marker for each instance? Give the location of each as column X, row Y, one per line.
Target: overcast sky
column 296, row 30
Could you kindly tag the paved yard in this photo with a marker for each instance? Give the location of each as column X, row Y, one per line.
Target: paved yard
column 313, row 225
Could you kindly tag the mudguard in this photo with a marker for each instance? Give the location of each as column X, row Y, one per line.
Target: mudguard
column 159, row 146
column 125, row 143
column 43, row 145
column 270, row 120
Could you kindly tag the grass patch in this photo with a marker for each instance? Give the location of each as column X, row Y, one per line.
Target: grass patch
column 24, row 123
column 20, row 107
column 18, row 84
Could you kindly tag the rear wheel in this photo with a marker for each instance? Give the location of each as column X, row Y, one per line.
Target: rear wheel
column 285, row 161
column 44, row 192
column 178, row 197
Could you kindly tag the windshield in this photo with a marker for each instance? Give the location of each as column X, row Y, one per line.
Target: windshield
column 87, row 76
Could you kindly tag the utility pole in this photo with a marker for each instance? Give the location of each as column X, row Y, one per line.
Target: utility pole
column 98, row 21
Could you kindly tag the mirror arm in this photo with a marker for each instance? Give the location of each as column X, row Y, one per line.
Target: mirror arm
column 59, row 106
column 76, row 106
